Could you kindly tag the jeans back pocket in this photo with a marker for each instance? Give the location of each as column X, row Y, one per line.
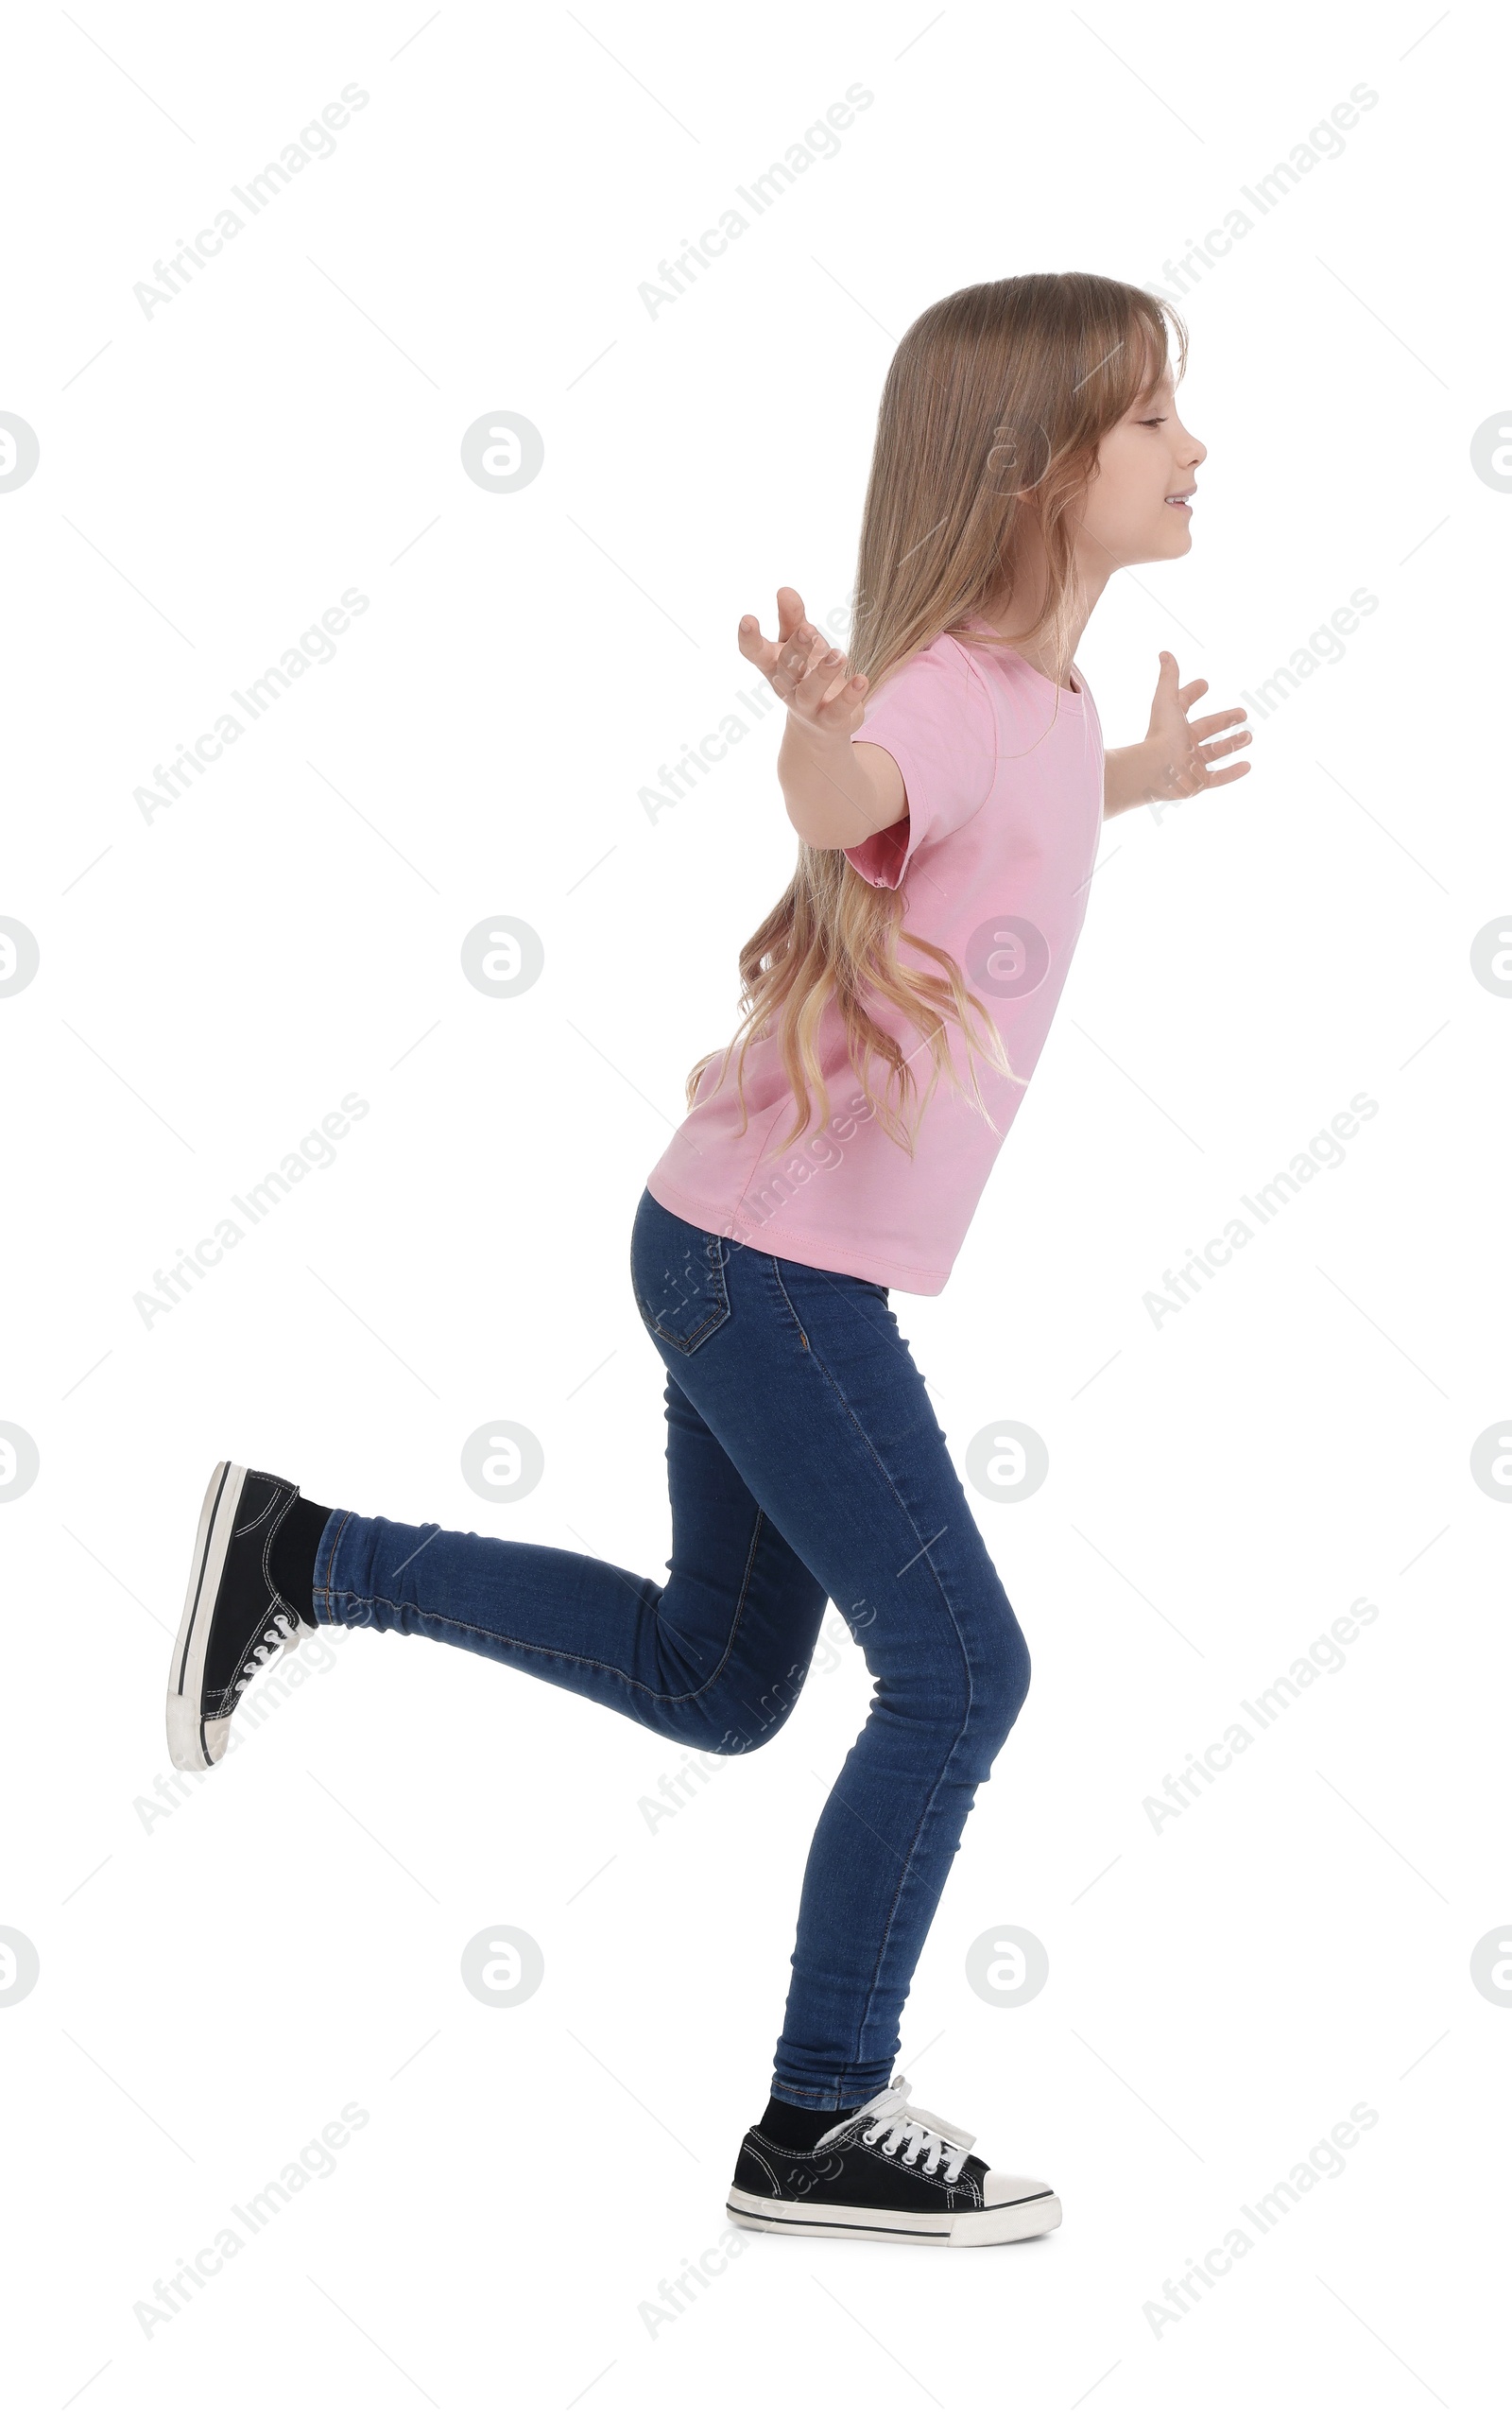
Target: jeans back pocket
column 680, row 1285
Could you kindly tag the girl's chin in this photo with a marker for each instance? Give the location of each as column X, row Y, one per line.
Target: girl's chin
column 1173, row 543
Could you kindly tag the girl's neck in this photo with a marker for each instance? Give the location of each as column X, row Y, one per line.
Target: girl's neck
column 1016, row 610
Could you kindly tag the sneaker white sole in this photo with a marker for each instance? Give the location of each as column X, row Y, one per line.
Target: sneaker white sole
column 195, row 1745
column 1001, row 2222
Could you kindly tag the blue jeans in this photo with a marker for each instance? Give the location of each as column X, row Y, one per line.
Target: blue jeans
column 805, row 1465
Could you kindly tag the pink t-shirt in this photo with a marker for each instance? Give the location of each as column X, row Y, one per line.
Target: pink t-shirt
column 1004, row 772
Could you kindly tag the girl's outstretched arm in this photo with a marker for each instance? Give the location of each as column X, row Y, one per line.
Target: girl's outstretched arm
column 1174, row 758
column 836, row 794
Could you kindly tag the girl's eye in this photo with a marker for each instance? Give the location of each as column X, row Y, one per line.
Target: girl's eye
column 1158, row 421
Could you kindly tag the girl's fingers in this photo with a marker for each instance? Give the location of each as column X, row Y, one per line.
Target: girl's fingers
column 1209, row 723
column 794, row 657
column 822, row 675
column 1225, row 747
column 789, row 613
column 783, row 660
column 801, row 664
column 821, row 671
column 752, row 646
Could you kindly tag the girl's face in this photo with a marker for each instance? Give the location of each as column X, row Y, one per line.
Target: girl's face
column 1138, row 505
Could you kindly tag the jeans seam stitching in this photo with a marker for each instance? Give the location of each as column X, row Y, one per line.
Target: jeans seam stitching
column 324, row 1588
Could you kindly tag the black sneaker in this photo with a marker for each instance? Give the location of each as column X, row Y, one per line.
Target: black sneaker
column 235, row 1620
column 891, row 2173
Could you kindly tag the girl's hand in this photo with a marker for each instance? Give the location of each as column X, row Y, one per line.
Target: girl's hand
column 1176, row 758
column 805, row 672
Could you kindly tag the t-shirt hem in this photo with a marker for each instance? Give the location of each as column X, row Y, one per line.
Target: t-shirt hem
column 774, row 1238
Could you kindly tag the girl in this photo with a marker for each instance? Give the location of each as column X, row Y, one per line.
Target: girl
column 947, row 786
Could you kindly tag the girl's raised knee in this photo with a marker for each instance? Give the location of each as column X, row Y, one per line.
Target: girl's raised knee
column 1000, row 1683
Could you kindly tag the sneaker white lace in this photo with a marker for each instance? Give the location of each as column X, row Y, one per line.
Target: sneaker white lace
column 283, row 1629
column 916, row 2137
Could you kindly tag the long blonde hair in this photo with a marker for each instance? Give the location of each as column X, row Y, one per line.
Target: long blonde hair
column 995, row 404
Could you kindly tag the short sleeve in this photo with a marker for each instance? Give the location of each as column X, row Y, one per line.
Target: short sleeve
column 934, row 718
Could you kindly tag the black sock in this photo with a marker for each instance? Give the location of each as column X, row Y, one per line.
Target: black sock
column 294, row 1552
column 796, row 2129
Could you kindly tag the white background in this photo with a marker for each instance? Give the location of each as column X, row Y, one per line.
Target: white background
column 216, row 1982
